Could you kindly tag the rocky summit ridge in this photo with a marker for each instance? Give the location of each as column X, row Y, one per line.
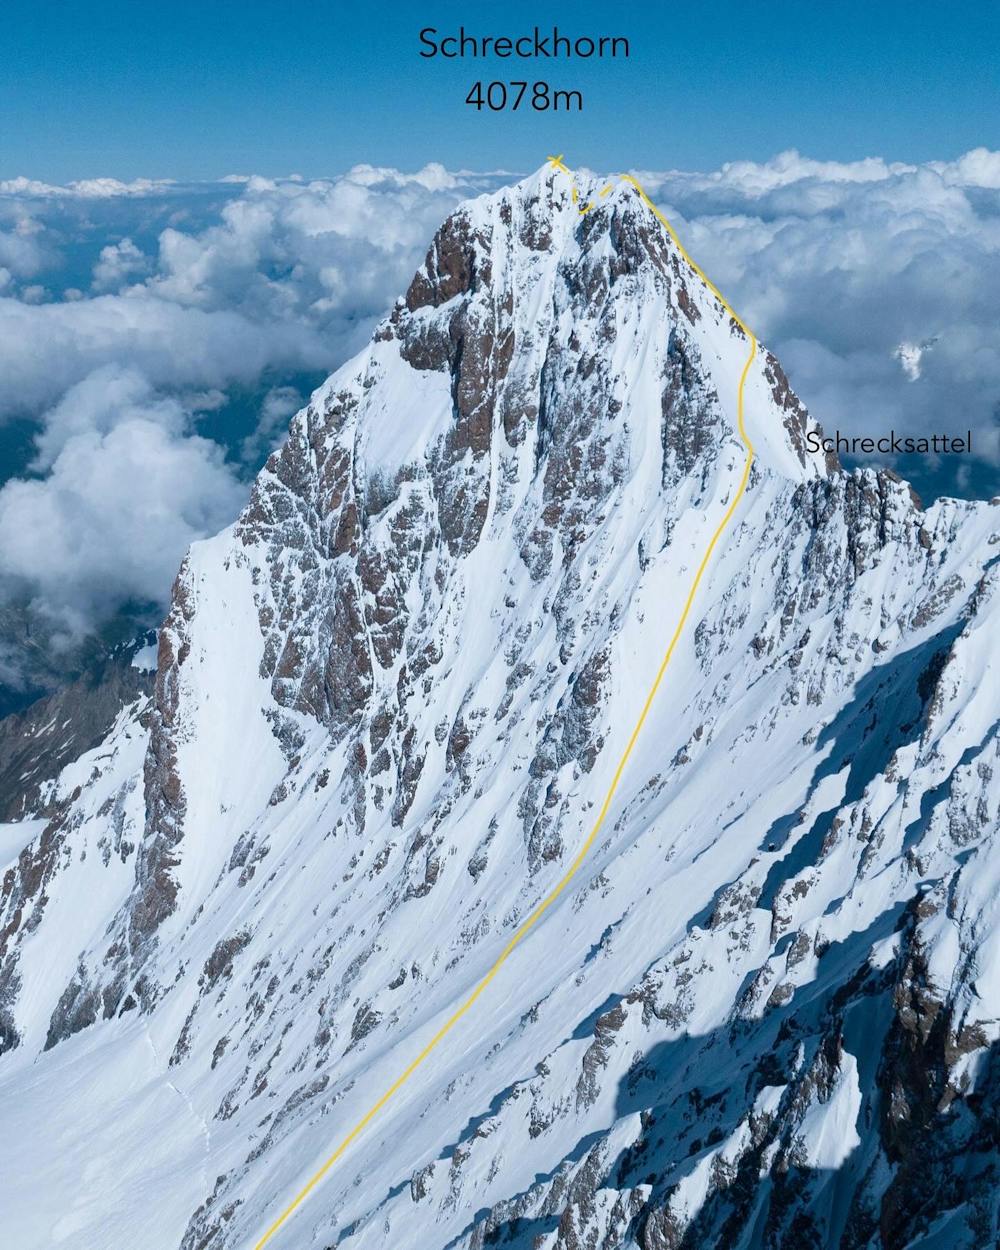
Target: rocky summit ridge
column 387, row 703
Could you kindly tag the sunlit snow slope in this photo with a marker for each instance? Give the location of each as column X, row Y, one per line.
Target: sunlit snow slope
column 387, row 703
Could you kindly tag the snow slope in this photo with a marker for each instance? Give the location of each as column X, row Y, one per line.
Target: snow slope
column 388, row 703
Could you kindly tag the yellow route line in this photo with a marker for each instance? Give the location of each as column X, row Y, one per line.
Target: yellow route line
column 542, row 907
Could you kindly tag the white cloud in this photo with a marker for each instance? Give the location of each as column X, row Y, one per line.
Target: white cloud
column 978, row 168
column 850, row 271
column 313, row 250
column 117, row 263
column 21, row 251
column 49, row 347
column 286, row 275
column 910, row 355
column 128, row 488
column 87, row 188
column 280, row 403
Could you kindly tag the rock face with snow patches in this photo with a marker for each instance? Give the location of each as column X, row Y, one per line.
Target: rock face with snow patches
column 388, row 704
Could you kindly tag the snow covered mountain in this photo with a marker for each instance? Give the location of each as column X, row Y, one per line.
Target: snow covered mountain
column 389, row 702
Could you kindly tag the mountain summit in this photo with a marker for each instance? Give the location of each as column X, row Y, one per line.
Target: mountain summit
column 389, row 701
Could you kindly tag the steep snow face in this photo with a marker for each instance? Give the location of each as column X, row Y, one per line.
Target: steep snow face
column 388, row 704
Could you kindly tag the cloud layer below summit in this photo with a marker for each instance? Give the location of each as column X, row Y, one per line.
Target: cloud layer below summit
column 876, row 284
column 132, row 314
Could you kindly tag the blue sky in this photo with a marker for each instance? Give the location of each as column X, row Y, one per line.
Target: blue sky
column 200, row 90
